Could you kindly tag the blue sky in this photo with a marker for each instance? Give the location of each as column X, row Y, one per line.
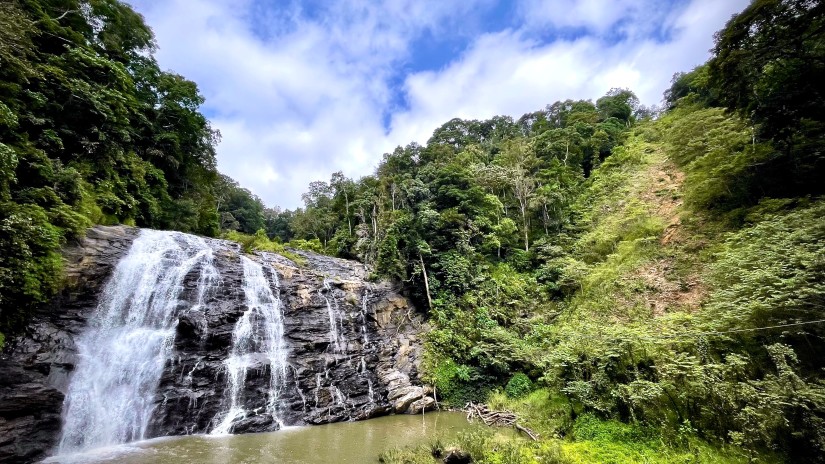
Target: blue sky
column 301, row 89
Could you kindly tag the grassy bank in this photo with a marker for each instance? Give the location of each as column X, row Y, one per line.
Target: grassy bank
column 563, row 440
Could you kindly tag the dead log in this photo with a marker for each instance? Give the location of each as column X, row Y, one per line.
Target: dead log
column 527, row 431
column 497, row 418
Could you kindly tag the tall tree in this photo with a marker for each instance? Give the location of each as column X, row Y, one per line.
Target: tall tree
column 518, row 157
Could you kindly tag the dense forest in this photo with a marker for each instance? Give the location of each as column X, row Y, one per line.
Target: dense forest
column 645, row 283
column 616, row 273
column 92, row 131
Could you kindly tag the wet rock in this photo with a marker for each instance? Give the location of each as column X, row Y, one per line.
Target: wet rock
column 260, row 423
column 192, row 326
column 457, row 456
column 354, row 348
column 35, row 367
column 426, row 403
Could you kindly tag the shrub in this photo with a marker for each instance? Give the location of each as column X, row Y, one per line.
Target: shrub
column 519, row 385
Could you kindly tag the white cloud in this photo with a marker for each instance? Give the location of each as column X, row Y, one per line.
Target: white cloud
column 297, row 99
column 594, row 15
column 509, row 73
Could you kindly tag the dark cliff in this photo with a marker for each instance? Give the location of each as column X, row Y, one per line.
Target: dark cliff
column 371, row 370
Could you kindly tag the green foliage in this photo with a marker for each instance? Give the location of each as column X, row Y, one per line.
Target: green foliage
column 590, row 440
column 773, row 272
column 590, row 428
column 518, row 385
column 613, row 442
column 768, row 66
column 260, row 242
column 693, row 86
column 91, row 131
column 239, row 209
column 30, row 264
column 721, row 163
column 454, row 383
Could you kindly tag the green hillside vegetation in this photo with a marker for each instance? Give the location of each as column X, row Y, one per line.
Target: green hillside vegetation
column 92, row 131
column 655, row 280
column 639, row 286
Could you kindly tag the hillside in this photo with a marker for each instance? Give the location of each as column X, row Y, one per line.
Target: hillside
column 682, row 336
column 638, row 284
column 655, row 280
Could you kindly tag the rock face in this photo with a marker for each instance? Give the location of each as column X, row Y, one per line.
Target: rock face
column 352, row 349
column 35, row 368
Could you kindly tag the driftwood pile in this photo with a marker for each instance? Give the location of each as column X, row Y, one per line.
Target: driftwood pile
column 497, row 418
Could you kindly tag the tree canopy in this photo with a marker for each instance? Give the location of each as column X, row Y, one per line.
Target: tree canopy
column 91, row 131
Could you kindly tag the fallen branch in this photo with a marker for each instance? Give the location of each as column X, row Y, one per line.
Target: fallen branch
column 527, row 431
column 497, row 418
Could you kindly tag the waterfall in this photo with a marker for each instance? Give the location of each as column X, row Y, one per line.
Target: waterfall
column 334, row 318
column 258, row 335
column 111, row 395
column 366, row 341
column 364, row 311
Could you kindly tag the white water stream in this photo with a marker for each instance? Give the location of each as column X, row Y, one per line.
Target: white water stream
column 258, row 337
column 334, row 317
column 122, row 353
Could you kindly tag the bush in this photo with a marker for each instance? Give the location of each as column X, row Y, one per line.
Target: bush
column 260, row 242
column 30, row 262
column 519, row 385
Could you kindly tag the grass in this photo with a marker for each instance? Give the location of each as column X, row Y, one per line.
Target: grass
column 260, row 242
column 586, row 440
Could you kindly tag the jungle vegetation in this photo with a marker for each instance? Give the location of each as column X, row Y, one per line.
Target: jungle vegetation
column 641, row 285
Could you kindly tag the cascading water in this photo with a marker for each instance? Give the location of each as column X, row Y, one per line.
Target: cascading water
column 366, row 342
column 258, row 334
column 334, row 318
column 122, row 353
column 364, row 311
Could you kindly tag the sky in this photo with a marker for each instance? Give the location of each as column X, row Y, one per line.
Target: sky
column 302, row 89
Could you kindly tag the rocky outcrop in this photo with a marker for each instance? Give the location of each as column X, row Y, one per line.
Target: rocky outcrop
column 35, row 367
column 353, row 348
column 363, row 373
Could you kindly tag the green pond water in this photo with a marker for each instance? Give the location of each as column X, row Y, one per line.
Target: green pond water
column 346, row 442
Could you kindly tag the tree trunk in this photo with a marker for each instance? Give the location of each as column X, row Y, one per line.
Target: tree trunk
column 349, row 221
column 426, row 280
column 374, row 222
column 525, row 226
column 546, row 219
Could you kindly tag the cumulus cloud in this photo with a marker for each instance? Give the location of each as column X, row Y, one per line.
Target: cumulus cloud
column 299, row 91
column 622, row 17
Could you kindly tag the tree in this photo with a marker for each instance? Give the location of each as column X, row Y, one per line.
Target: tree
column 91, row 131
column 343, row 187
column 769, row 66
column 620, row 104
column 694, row 83
column 239, row 209
column 517, row 156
